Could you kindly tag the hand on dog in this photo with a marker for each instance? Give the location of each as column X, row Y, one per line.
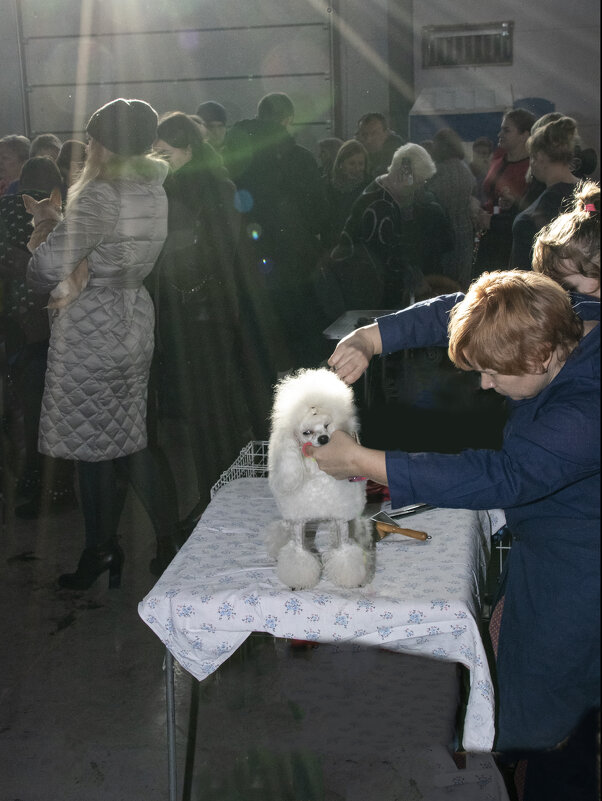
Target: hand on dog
column 352, row 355
column 344, row 457
column 337, row 457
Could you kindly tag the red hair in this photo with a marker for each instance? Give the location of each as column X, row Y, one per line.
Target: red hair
column 511, row 321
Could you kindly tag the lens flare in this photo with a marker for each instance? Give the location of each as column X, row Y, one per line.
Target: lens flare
column 254, row 231
column 243, row 201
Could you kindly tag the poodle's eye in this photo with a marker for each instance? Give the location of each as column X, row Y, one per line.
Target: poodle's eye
column 307, row 433
column 326, row 426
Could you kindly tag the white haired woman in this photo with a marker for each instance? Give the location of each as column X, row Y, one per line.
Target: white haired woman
column 398, row 225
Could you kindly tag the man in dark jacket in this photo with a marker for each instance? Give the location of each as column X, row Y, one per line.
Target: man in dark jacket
column 379, row 140
column 281, row 194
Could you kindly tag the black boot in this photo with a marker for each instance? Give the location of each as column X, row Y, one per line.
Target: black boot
column 92, row 563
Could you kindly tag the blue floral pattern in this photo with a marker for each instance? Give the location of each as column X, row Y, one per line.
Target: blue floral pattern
column 424, row 597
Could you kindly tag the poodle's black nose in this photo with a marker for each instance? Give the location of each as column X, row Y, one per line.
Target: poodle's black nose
column 323, row 439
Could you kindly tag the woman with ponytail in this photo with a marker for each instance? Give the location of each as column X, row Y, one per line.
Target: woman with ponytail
column 568, row 249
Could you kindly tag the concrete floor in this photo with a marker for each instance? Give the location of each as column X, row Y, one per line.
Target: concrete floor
column 82, row 716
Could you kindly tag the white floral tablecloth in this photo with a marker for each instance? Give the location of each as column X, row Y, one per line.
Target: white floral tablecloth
column 424, row 598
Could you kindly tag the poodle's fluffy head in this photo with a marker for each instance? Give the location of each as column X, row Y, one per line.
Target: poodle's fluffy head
column 310, row 405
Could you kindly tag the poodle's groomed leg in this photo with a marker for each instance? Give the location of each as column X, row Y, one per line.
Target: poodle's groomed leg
column 346, row 563
column 297, row 567
column 277, row 535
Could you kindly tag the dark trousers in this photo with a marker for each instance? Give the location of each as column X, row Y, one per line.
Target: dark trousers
column 569, row 772
column 103, row 488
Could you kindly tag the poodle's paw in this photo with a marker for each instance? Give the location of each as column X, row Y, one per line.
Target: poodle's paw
column 297, row 568
column 277, row 535
column 346, row 566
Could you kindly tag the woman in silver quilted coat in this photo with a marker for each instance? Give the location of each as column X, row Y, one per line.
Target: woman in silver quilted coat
column 101, row 344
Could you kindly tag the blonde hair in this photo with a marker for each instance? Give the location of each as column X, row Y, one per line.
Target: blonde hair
column 511, row 321
column 557, row 139
column 573, row 236
column 98, row 168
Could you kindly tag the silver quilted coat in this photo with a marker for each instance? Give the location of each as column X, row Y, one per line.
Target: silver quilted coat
column 101, row 344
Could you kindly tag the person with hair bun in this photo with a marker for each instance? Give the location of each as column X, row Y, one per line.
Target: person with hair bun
column 519, row 331
column 551, row 153
column 568, row 248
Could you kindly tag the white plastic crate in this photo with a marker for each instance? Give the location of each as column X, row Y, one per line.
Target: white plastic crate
column 251, row 462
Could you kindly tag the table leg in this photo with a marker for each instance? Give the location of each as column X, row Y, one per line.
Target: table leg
column 168, row 667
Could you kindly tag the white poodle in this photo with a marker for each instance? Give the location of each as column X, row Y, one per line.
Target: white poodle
column 308, row 407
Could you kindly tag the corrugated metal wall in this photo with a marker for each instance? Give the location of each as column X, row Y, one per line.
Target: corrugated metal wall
column 78, row 54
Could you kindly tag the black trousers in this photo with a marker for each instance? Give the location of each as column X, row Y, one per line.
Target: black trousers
column 103, row 488
column 570, row 772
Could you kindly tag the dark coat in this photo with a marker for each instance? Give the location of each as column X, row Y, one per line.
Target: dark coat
column 339, row 203
column 203, row 229
column 25, row 316
column 405, row 244
column 281, row 193
column 529, row 222
column 546, row 477
column 194, row 283
column 379, row 162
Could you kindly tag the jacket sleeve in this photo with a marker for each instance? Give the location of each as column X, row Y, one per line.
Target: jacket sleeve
column 422, row 325
column 557, row 449
column 87, row 222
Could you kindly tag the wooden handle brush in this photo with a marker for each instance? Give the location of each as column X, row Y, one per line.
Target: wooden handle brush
column 387, row 528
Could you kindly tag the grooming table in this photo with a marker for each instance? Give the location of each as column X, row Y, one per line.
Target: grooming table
column 423, row 599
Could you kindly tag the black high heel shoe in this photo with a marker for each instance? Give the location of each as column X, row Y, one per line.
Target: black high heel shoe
column 92, row 563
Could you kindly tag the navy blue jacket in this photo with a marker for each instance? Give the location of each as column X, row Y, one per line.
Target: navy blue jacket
column 546, row 478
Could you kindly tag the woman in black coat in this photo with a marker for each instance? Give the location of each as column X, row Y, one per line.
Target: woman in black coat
column 194, row 290
column 346, row 182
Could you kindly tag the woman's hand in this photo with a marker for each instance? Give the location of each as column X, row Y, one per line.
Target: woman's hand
column 344, row 457
column 352, row 355
column 506, row 198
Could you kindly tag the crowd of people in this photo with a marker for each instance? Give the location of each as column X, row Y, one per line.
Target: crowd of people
column 215, row 256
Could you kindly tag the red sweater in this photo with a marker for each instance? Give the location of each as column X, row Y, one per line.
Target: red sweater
column 504, row 176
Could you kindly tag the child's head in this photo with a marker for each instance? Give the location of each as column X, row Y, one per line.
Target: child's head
column 568, row 249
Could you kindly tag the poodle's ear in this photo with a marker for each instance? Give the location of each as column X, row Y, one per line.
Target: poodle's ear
column 285, row 464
